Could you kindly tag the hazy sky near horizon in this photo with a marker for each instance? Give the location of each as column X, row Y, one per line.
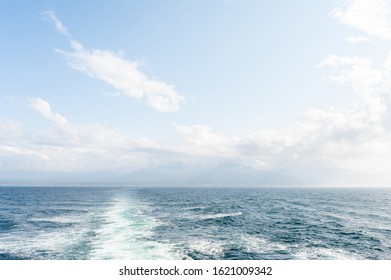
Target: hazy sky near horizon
column 89, row 86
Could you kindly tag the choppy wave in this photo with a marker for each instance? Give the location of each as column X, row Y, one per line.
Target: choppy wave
column 105, row 223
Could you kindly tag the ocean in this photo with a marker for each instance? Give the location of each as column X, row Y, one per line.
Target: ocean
column 68, row 223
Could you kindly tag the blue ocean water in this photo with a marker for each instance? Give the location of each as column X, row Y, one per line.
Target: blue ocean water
column 194, row 223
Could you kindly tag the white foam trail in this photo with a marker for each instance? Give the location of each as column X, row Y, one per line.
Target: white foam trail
column 207, row 247
column 125, row 234
column 257, row 244
column 326, row 254
column 211, row 216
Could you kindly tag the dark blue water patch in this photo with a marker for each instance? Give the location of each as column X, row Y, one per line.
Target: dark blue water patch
column 47, row 212
column 238, row 254
column 42, row 224
column 7, row 224
column 10, row 256
column 196, row 255
column 47, row 254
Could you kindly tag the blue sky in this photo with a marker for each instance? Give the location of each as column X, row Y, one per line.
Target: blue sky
column 290, row 86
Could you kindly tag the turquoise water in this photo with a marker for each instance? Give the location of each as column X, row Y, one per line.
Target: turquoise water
column 194, row 223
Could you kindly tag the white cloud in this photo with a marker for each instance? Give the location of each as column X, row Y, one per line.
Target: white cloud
column 357, row 39
column 387, row 74
column 372, row 17
column 335, row 60
column 44, row 109
column 202, row 140
column 67, row 146
column 199, row 135
column 352, row 138
column 73, row 147
column 330, row 138
column 355, row 138
column 125, row 76
column 61, row 28
column 366, row 81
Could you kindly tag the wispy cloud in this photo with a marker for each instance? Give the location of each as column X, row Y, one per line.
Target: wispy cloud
column 45, row 110
column 122, row 74
column 125, row 76
column 61, row 28
column 357, row 39
column 373, row 17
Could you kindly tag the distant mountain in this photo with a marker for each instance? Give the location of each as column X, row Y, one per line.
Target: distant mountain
column 224, row 174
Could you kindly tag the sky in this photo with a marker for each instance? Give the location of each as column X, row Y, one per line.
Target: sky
column 261, row 92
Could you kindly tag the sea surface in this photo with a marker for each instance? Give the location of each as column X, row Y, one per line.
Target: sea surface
column 69, row 223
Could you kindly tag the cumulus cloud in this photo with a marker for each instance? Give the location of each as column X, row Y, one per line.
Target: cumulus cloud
column 366, row 81
column 353, row 138
column 372, row 17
